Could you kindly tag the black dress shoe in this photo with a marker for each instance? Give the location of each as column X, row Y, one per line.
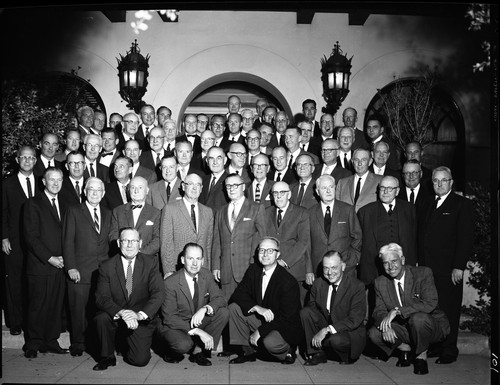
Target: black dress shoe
column 242, row 359
column 445, row 360
column 420, row 366
column 318, row 358
column 200, row 359
column 173, row 358
column 404, row 359
column 105, row 363
column 225, row 353
column 289, row 359
column 30, row 353
column 57, row 350
column 76, row 352
column 15, row 331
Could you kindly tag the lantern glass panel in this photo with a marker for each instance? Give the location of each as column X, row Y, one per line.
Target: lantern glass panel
column 132, row 78
column 140, row 78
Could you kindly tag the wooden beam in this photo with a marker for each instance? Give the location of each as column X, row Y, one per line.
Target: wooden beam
column 116, row 16
column 305, row 16
column 358, row 17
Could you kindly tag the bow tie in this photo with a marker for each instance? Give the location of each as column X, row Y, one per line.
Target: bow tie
column 136, row 207
column 191, row 136
column 106, row 154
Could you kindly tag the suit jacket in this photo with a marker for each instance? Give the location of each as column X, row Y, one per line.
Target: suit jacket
column 446, row 235
column 243, row 173
column 369, row 216
column 360, row 140
column 68, row 193
column 226, row 143
column 233, row 251
column 191, row 170
column 344, row 237
column 146, row 173
column 122, row 141
column 425, row 196
column 290, row 176
column 178, row 307
column 265, row 194
column 157, row 195
column 349, row 166
column 177, row 230
column 113, row 196
column 314, row 157
column 84, row 248
column 294, row 236
column 315, row 146
column 215, row 197
column 309, row 199
column 420, row 296
column 197, row 142
column 282, row 298
column 338, row 172
column 101, row 171
column 389, row 172
column 393, row 162
column 199, row 163
column 345, row 190
column 83, row 132
column 39, row 168
column 148, row 225
column 148, row 160
column 147, row 289
column 141, row 137
column 43, row 230
column 348, row 311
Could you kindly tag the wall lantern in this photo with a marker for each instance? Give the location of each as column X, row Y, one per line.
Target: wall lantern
column 133, row 74
column 335, row 71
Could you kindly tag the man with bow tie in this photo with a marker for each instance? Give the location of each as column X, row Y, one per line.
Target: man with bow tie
column 333, row 317
column 190, row 127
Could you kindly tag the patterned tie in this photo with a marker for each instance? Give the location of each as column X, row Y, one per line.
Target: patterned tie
column 358, row 188
column 278, row 178
column 212, row 184
column 390, row 211
column 412, row 196
column 92, row 172
column 233, row 216
column 136, row 207
column 301, row 194
column 129, row 279
column 257, row 193
column 158, row 159
column 96, row 219
column 328, row 220
column 77, row 189
column 30, row 191
column 280, row 218
column 168, row 191
column 55, row 208
column 290, row 163
column 196, row 294
column 193, row 216
column 401, row 293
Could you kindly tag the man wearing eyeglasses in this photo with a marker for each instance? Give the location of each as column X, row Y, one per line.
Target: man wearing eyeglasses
column 129, row 294
column 289, row 223
column 252, row 140
column 72, row 190
column 152, row 158
column 387, row 220
column 259, row 189
column 414, row 191
column 214, row 194
column 306, row 142
column 130, row 131
column 217, row 126
column 183, row 221
column 446, row 235
column 329, row 166
column 85, row 246
column 326, row 125
column 303, row 192
column 92, row 145
column 16, row 190
column 265, row 309
column 237, row 155
column 133, row 151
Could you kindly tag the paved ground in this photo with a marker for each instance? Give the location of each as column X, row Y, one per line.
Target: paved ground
column 64, row 369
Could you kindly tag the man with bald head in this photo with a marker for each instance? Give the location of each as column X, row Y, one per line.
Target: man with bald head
column 260, row 187
column 207, row 140
column 387, row 220
column 133, row 151
column 130, row 131
column 280, row 170
column 152, row 158
column 190, row 127
column 329, row 165
column 48, row 149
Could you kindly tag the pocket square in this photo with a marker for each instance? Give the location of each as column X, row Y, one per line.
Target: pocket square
column 178, row 198
column 206, row 295
column 247, row 219
column 340, row 223
column 149, row 223
column 446, row 213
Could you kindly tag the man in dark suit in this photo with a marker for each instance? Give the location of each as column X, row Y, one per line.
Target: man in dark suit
column 237, row 155
column 152, row 158
column 184, row 154
column 128, row 296
column 44, row 266
column 334, row 226
column 85, row 116
column 16, row 190
column 207, row 140
column 48, row 148
column 238, row 228
column 148, row 116
column 265, row 309
column 259, row 190
column 406, row 315
column 266, row 135
column 380, row 155
column 109, row 151
column 289, row 224
column 168, row 188
column 85, row 247
column 186, row 221
column 414, row 151
column 130, row 131
column 445, row 241
column 133, row 151
column 92, row 145
column 349, row 118
column 326, row 124
column 280, row 170
column 385, row 221
column 260, row 105
column 303, row 192
column 346, row 140
column 234, row 131
column 309, row 111
column 117, row 191
column 375, row 128
column 217, row 126
column 280, row 120
column 414, row 191
column 214, row 194
column 329, row 164
column 252, row 143
column 194, row 311
column 72, row 189
column 292, row 143
column 333, row 317
column 73, row 141
column 139, row 215
column 170, row 128
column 306, row 143
column 190, row 126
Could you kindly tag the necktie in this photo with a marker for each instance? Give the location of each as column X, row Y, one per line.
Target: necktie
column 265, row 282
column 158, row 159
column 196, row 293
column 77, row 188
column 328, row 220
column 96, row 219
column 303, row 147
column 401, row 294
column 346, row 162
column 55, row 208
column 30, row 191
column 48, row 164
column 182, row 172
column 436, row 202
column 390, row 210
column 237, row 172
column 280, row 218
column 358, row 188
column 193, row 217
column 105, row 154
column 212, row 184
column 168, row 191
column 136, row 207
column 168, row 147
column 412, row 196
column 332, row 297
column 291, row 161
column 129, row 279
column 301, row 194
column 233, row 216
column 147, row 132
column 278, row 178
column 232, row 139
column 124, row 193
column 92, row 172
column 257, row 193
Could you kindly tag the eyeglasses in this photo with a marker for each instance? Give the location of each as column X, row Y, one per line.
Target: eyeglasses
column 441, row 181
column 329, row 150
column 27, row 158
column 386, row 189
column 133, row 242
column 132, row 150
column 212, row 159
column 391, row 263
column 260, row 165
column 280, row 193
column 233, row 186
column 191, row 185
column 95, row 190
column 267, row 251
column 411, row 173
column 326, row 188
column 253, row 139
column 93, row 146
column 130, row 121
column 239, row 154
column 74, row 164
column 155, row 138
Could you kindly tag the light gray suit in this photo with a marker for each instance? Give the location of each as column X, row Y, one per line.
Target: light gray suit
column 177, row 229
column 345, row 190
column 157, row 195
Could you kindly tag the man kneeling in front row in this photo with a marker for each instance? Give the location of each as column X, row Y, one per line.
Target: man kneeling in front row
column 128, row 296
column 406, row 314
column 333, row 317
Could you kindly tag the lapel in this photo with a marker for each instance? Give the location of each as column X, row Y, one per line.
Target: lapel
column 143, row 216
column 391, row 289
column 350, row 187
column 408, row 286
column 138, row 270
column 121, row 276
column 183, row 285
column 202, row 290
column 51, row 209
column 129, row 217
column 341, row 290
column 244, row 209
column 367, row 184
column 86, row 214
column 187, row 214
column 319, row 217
column 162, row 191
